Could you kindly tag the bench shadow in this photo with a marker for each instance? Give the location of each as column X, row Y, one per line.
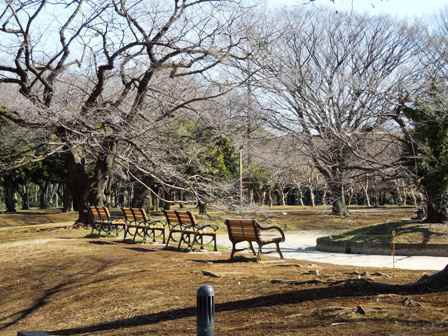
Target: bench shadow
column 286, row 298
column 237, row 259
column 141, row 249
column 100, row 242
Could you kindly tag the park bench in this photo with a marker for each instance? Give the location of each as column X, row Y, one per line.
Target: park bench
column 187, row 219
column 248, row 230
column 190, row 232
column 101, row 220
column 136, row 219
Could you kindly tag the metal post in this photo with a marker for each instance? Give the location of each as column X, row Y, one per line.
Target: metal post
column 205, row 310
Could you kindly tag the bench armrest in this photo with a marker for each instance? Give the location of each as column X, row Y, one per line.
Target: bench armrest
column 152, row 221
column 205, row 226
column 273, row 228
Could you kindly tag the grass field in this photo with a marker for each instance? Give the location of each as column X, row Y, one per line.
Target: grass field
column 58, row 280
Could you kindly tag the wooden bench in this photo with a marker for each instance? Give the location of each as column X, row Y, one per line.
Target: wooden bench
column 248, row 230
column 174, row 227
column 101, row 220
column 143, row 226
column 187, row 219
column 190, row 232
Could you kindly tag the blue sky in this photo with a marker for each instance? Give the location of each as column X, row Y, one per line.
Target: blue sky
column 398, row 8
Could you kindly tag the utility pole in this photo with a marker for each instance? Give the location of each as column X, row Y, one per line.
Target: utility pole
column 241, row 176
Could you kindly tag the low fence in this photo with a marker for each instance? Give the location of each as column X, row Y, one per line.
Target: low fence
column 205, row 314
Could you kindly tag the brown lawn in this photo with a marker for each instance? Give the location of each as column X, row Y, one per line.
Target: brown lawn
column 58, row 280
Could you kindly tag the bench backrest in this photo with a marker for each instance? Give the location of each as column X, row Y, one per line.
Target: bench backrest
column 171, row 218
column 242, row 229
column 103, row 213
column 140, row 215
column 127, row 214
column 186, row 218
column 93, row 215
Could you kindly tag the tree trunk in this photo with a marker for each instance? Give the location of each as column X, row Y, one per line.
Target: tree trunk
column 202, row 207
column 437, row 207
column 414, row 197
column 9, row 190
column 436, row 189
column 141, row 192
column 77, row 181
column 67, row 199
column 44, row 195
column 365, row 188
column 181, row 199
column 263, row 198
column 25, row 196
column 299, row 189
column 312, row 197
column 324, row 197
column 339, row 206
column 399, row 194
column 103, row 175
column 283, row 196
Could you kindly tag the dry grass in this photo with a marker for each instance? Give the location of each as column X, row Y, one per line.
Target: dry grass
column 35, row 216
column 82, row 286
column 60, row 281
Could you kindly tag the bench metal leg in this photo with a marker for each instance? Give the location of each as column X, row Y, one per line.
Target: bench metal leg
column 260, row 251
column 170, row 235
column 163, row 236
column 278, row 250
column 252, row 248
column 233, row 251
column 182, row 235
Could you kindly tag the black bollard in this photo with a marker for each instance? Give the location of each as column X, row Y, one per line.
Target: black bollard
column 205, row 310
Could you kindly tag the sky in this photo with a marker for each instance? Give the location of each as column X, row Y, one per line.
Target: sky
column 397, row 8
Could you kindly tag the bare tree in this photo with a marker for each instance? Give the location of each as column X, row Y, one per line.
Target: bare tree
column 100, row 75
column 331, row 81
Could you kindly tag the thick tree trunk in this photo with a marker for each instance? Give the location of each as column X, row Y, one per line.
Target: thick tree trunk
column 436, row 188
column 437, row 208
column 9, row 190
column 140, row 196
column 339, row 206
column 67, row 199
column 77, row 180
column 100, row 181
